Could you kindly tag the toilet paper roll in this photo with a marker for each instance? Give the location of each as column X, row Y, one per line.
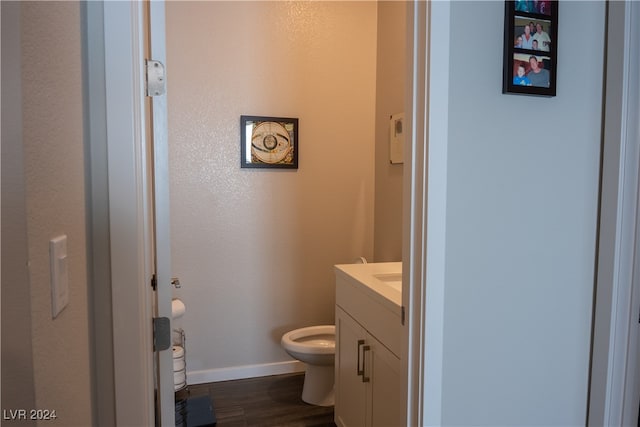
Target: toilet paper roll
column 177, row 308
column 179, row 378
column 176, row 337
column 178, row 352
column 179, row 365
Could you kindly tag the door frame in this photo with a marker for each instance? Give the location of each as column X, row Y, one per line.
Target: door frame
column 614, row 393
column 128, row 218
column 425, row 200
column 119, row 209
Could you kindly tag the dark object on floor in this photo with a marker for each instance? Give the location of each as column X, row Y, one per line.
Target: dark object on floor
column 195, row 412
column 265, row 401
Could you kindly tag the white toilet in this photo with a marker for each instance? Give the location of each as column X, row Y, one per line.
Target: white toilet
column 315, row 346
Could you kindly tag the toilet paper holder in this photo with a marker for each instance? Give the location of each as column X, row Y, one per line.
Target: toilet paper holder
column 182, row 370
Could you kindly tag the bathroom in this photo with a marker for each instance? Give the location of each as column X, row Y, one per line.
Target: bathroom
column 254, row 249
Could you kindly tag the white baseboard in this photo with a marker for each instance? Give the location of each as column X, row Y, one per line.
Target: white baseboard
column 241, row 372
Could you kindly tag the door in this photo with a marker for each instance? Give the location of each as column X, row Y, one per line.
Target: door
column 165, row 395
column 130, row 213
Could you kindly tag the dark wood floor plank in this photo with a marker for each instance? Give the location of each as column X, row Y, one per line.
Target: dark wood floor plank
column 264, row 402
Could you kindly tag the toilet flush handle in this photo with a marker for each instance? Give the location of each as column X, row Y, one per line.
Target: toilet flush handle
column 175, row 282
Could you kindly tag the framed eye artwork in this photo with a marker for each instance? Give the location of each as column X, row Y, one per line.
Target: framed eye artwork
column 268, row 142
column 530, row 47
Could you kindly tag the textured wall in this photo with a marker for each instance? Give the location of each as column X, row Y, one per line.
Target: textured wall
column 255, row 249
column 390, row 99
column 17, row 364
column 54, row 171
column 522, row 204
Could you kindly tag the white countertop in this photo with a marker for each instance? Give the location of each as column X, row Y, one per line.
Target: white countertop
column 383, row 278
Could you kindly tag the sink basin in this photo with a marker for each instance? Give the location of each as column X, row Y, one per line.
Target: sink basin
column 391, row 279
column 382, row 279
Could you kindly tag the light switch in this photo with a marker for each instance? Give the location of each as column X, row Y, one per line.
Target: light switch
column 59, row 274
column 396, row 138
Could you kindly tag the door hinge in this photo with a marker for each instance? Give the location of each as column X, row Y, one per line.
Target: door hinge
column 402, row 316
column 156, row 84
column 161, row 333
column 154, row 282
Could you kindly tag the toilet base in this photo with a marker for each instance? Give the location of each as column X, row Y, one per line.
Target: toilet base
column 318, row 385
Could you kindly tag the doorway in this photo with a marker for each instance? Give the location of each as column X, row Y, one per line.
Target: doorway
column 420, row 356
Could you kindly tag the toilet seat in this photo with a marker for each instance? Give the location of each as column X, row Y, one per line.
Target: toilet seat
column 315, row 346
column 311, row 340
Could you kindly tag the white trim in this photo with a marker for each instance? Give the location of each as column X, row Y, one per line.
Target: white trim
column 412, row 268
column 128, row 214
column 98, row 252
column 631, row 141
column 242, row 372
column 614, row 385
column 436, row 208
column 428, row 121
column 412, row 218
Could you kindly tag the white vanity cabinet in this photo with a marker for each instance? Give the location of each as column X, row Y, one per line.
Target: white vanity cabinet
column 369, row 387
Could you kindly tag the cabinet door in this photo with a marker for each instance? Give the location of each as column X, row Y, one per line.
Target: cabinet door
column 350, row 392
column 384, row 391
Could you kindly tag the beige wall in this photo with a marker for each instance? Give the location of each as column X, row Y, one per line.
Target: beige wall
column 17, row 365
column 255, row 249
column 52, row 133
column 390, row 99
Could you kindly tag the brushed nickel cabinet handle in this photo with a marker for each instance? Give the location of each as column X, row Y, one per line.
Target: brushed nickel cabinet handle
column 358, row 370
column 365, row 349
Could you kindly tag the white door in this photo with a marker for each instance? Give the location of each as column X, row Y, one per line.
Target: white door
column 165, row 405
column 129, row 141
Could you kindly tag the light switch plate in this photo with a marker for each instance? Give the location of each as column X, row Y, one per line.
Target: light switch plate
column 59, row 274
column 396, row 138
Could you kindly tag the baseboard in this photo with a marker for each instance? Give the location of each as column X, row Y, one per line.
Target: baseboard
column 246, row 371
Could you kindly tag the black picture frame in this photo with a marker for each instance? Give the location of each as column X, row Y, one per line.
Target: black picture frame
column 268, row 142
column 530, row 62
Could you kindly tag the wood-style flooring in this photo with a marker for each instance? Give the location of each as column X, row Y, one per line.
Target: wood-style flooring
column 266, row 401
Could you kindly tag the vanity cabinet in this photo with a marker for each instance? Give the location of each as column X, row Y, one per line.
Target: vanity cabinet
column 368, row 386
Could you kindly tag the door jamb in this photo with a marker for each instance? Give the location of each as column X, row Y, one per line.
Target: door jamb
column 425, row 190
column 120, row 210
column 615, row 316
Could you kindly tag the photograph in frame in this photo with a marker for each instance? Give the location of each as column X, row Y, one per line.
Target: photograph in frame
column 268, row 142
column 530, row 48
